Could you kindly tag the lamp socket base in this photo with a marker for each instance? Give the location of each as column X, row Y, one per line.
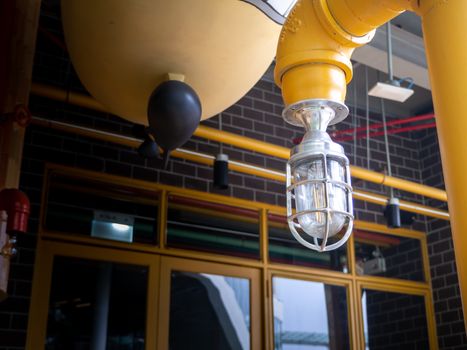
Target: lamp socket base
column 297, row 113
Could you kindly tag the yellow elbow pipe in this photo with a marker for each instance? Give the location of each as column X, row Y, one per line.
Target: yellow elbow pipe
column 359, row 17
column 309, row 62
column 317, row 41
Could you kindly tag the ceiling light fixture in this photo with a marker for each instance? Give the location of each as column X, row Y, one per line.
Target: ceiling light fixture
column 392, row 212
column 392, row 89
column 221, row 166
column 319, row 194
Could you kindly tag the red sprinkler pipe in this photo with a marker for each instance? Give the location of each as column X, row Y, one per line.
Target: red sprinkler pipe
column 335, row 134
column 380, row 125
column 392, row 131
column 56, row 40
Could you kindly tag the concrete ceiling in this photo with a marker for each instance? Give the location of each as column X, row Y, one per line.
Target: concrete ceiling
column 408, row 61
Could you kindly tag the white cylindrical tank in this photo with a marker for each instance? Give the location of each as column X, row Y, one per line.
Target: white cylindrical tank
column 123, row 49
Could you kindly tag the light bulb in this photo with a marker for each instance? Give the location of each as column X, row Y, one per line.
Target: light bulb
column 311, row 196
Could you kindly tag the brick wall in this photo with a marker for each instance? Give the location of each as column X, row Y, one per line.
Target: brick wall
column 44, row 145
column 396, row 321
column 403, row 260
column 446, row 295
column 257, row 115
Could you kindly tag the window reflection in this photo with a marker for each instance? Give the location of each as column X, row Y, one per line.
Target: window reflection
column 284, row 249
column 388, row 256
column 88, row 207
column 212, row 227
column 96, row 305
column 309, row 315
column 394, row 321
column 209, row 312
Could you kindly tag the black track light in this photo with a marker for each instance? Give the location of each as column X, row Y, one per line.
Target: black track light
column 392, row 213
column 221, row 171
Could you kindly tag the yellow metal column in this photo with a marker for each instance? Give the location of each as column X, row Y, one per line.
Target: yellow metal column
column 18, row 27
column 444, row 31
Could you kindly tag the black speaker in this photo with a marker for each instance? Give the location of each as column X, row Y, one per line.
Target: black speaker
column 392, row 213
column 221, row 172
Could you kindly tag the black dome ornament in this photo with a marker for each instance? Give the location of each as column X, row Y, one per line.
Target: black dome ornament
column 174, row 113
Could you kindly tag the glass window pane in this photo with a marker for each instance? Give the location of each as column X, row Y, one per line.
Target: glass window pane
column 212, row 227
column 284, row 249
column 96, row 305
column 394, row 321
column 209, row 312
column 388, row 256
column 104, row 210
column 309, row 315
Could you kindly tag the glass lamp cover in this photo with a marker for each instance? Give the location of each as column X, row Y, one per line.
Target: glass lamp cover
column 312, row 196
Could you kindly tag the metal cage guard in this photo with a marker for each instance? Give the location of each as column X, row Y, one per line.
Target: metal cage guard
column 293, row 218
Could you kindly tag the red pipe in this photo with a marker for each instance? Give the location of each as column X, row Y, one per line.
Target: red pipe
column 380, row 125
column 56, row 40
column 392, row 131
column 376, row 238
column 218, row 207
column 335, row 134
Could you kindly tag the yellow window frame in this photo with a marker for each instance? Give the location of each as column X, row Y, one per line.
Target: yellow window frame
column 352, row 281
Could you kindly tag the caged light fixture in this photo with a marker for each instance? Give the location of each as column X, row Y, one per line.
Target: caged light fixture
column 319, row 193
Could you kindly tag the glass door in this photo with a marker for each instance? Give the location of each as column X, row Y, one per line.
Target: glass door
column 92, row 298
column 208, row 306
column 310, row 315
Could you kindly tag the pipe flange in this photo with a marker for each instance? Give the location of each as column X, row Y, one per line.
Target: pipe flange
column 335, row 30
column 289, row 114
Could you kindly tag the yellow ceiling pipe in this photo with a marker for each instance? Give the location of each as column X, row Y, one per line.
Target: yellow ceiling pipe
column 444, row 27
column 313, row 58
column 317, row 41
column 247, row 143
column 367, row 15
column 240, row 167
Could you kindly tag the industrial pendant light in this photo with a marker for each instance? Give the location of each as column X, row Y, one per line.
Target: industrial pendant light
column 221, row 166
column 221, row 172
column 319, row 194
column 392, row 212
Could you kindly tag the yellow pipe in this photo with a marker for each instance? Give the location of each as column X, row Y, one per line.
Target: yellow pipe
column 308, row 63
column 284, row 153
column 360, row 17
column 72, row 98
column 444, row 27
column 444, row 24
column 317, row 41
column 249, row 144
column 244, row 168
